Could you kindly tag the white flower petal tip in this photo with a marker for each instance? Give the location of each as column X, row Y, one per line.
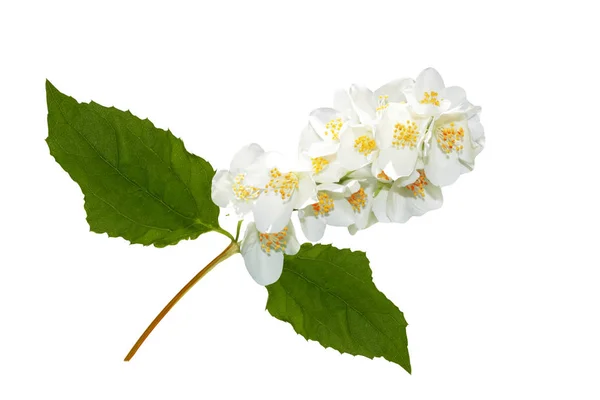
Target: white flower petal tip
column 263, row 253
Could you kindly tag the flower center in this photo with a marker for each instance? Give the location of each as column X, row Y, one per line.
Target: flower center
column 318, row 164
column 430, row 98
column 325, row 204
column 282, row 184
column 405, row 134
column 334, row 127
column 383, row 176
column 418, row 187
column 358, row 200
column 382, row 102
column 449, row 138
column 244, row 192
column 273, row 241
column 365, row 145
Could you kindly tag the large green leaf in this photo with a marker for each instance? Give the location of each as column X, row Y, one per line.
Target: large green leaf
column 139, row 182
column 328, row 295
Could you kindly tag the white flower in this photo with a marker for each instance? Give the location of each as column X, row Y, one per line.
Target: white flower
column 233, row 187
column 454, row 134
column 362, row 201
column 282, row 191
column 263, row 252
column 400, row 136
column 406, row 198
column 370, row 105
column 453, row 142
column 337, row 205
column 317, row 157
column 321, row 139
column 358, row 143
column 357, row 147
column 429, row 96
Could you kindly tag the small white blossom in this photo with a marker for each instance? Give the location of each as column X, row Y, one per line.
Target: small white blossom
column 233, row 187
column 263, row 252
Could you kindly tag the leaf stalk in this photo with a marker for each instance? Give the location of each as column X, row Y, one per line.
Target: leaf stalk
column 232, row 249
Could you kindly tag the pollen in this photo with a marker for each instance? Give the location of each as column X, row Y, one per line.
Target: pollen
column 383, row 176
column 430, row 98
column 358, row 200
column 325, row 204
column 318, row 164
column 282, row 184
column 405, row 134
column 450, row 139
column 382, row 102
column 333, row 128
column 418, row 187
column 273, row 241
column 365, row 145
column 244, row 192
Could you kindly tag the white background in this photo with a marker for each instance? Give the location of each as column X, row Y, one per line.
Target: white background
column 500, row 287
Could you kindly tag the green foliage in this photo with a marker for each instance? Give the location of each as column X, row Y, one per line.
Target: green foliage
column 328, row 295
column 139, row 182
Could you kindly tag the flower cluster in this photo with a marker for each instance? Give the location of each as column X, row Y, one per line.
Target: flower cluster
column 379, row 156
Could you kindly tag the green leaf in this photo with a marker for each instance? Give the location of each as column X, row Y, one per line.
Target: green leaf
column 139, row 182
column 328, row 295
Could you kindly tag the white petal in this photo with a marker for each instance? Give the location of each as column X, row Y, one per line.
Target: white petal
column 380, row 205
column 349, row 156
column 361, row 218
column 407, row 180
column 362, row 173
column 364, row 102
column 454, row 98
column 272, row 213
column 395, row 90
column 264, row 268
column 312, row 225
column 477, row 133
column 320, row 117
column 432, row 201
column 441, row 169
column 469, row 152
column 343, row 103
column 245, row 157
column 292, row 246
column 333, row 172
column 345, row 189
column 307, row 138
column 306, row 192
column 341, row 215
column 221, row 192
column 397, row 205
column 428, row 80
column 322, row 149
column 398, row 163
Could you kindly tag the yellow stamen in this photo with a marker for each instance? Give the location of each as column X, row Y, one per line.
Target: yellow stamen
column 282, row 184
column 405, row 134
column 244, row 192
column 358, row 200
column 383, row 176
column 382, row 102
column 449, row 138
column 318, row 164
column 333, row 128
column 418, row 187
column 273, row 241
column 365, row 145
column 430, row 98
column 325, row 204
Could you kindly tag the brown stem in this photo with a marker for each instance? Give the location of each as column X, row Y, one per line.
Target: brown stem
column 232, row 249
